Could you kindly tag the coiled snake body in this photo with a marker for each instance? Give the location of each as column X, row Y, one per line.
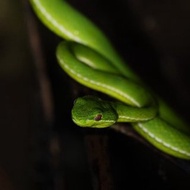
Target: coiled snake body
column 89, row 58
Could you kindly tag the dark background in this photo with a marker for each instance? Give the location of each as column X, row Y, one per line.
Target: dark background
column 40, row 147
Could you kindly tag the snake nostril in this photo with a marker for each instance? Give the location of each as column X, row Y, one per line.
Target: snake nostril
column 98, row 117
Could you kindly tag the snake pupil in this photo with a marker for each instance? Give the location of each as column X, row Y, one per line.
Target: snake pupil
column 98, row 117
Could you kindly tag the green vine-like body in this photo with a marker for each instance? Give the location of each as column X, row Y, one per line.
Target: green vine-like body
column 89, row 58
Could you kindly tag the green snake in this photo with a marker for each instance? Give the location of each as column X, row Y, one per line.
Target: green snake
column 87, row 56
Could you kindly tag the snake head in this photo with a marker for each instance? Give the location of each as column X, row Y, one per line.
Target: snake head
column 90, row 111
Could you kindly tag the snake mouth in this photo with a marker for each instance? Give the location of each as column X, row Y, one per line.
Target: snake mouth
column 76, row 121
column 92, row 123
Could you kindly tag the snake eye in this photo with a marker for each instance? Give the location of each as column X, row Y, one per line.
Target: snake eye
column 98, row 117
